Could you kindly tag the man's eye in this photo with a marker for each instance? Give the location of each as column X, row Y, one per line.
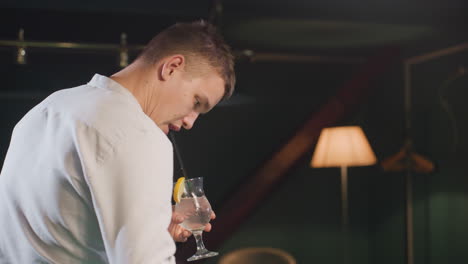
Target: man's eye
column 197, row 102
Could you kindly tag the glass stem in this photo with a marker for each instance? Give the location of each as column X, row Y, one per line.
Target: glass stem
column 199, row 240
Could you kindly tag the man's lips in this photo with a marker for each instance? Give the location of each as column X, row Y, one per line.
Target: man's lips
column 174, row 128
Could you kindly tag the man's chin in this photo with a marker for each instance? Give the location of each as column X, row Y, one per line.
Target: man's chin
column 165, row 129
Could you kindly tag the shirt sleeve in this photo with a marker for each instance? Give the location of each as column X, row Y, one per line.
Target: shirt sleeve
column 131, row 184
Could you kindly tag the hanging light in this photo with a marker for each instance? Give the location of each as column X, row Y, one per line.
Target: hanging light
column 123, row 52
column 21, row 49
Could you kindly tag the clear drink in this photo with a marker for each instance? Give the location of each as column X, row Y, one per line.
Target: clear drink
column 197, row 211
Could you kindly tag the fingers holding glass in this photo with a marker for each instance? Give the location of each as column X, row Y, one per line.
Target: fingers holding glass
column 197, row 213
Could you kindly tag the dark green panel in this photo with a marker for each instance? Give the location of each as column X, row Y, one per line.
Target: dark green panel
column 303, row 217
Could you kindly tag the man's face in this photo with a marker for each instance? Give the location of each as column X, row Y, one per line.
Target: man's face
column 187, row 98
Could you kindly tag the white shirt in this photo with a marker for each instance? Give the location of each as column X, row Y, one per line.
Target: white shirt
column 87, row 179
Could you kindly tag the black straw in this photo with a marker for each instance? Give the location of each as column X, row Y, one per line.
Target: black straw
column 176, row 150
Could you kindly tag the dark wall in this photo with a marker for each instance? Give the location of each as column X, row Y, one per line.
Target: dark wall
column 439, row 124
column 302, row 216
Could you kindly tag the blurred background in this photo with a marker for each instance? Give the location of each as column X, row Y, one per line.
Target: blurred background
column 301, row 66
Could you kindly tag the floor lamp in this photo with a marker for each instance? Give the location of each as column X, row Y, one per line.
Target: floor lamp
column 343, row 147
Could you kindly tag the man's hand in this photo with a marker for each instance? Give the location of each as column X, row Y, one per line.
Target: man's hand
column 208, row 226
column 180, row 234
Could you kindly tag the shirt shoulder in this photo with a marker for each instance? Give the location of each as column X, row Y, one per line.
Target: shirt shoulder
column 114, row 114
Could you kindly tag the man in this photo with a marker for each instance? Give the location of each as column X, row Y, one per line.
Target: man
column 88, row 174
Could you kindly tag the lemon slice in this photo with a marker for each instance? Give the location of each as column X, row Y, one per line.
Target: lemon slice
column 179, row 188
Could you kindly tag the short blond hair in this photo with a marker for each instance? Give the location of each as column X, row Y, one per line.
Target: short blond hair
column 200, row 43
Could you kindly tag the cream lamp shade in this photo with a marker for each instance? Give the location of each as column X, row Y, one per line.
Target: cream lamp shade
column 342, row 147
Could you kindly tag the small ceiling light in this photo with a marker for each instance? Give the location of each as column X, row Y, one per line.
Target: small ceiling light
column 123, row 52
column 21, row 49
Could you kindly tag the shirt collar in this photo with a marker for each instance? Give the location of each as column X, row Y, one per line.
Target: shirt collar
column 101, row 81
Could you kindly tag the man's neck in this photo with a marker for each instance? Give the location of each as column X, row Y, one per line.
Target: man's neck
column 138, row 81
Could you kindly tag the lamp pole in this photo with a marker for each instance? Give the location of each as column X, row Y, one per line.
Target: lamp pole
column 344, row 212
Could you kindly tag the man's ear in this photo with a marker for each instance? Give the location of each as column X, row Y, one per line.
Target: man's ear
column 171, row 65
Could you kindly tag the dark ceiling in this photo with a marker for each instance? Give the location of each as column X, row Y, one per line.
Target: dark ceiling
column 328, row 26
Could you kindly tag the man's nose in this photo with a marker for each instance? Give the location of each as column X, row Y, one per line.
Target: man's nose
column 189, row 120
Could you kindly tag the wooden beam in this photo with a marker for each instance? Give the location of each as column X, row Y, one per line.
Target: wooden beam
column 252, row 193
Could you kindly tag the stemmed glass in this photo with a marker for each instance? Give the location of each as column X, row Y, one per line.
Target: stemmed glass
column 196, row 209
